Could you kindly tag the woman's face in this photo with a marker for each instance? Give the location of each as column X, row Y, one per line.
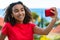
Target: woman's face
column 18, row 12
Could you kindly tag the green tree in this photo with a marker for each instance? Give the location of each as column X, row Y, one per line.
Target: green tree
column 35, row 16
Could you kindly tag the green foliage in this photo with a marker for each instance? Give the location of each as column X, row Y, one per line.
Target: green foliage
column 38, row 24
column 47, row 24
column 36, row 37
column 34, row 14
column 57, row 37
column 57, row 24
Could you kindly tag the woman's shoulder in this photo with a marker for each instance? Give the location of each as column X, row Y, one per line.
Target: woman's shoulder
column 32, row 24
column 7, row 23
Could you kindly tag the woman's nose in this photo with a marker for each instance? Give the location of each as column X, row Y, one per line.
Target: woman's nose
column 20, row 13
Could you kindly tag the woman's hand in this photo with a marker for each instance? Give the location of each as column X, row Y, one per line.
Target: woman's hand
column 54, row 11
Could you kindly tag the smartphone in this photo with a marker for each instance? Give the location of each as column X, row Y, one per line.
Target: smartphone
column 48, row 12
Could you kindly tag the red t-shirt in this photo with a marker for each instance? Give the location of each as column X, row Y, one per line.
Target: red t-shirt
column 18, row 31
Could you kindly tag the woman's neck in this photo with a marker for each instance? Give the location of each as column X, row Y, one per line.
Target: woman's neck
column 20, row 22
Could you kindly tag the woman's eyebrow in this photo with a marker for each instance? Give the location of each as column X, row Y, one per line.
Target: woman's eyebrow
column 15, row 9
column 22, row 8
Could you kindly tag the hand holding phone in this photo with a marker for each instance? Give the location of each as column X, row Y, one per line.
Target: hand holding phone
column 48, row 12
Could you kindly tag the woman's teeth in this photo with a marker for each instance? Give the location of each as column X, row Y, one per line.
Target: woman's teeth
column 21, row 17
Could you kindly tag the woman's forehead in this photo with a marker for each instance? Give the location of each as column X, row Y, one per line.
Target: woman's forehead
column 18, row 6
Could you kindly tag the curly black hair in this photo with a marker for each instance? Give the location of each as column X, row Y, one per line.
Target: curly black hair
column 8, row 17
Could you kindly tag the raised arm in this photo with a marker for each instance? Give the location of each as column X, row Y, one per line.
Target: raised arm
column 41, row 31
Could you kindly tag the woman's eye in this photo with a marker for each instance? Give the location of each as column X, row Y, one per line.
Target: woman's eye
column 22, row 10
column 16, row 11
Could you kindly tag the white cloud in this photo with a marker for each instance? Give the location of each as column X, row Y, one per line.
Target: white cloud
column 33, row 3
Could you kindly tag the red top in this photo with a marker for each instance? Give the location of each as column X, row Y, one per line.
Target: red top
column 18, row 31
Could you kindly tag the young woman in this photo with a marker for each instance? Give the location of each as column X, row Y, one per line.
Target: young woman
column 17, row 23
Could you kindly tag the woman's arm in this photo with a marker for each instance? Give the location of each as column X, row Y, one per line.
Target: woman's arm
column 2, row 37
column 41, row 31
